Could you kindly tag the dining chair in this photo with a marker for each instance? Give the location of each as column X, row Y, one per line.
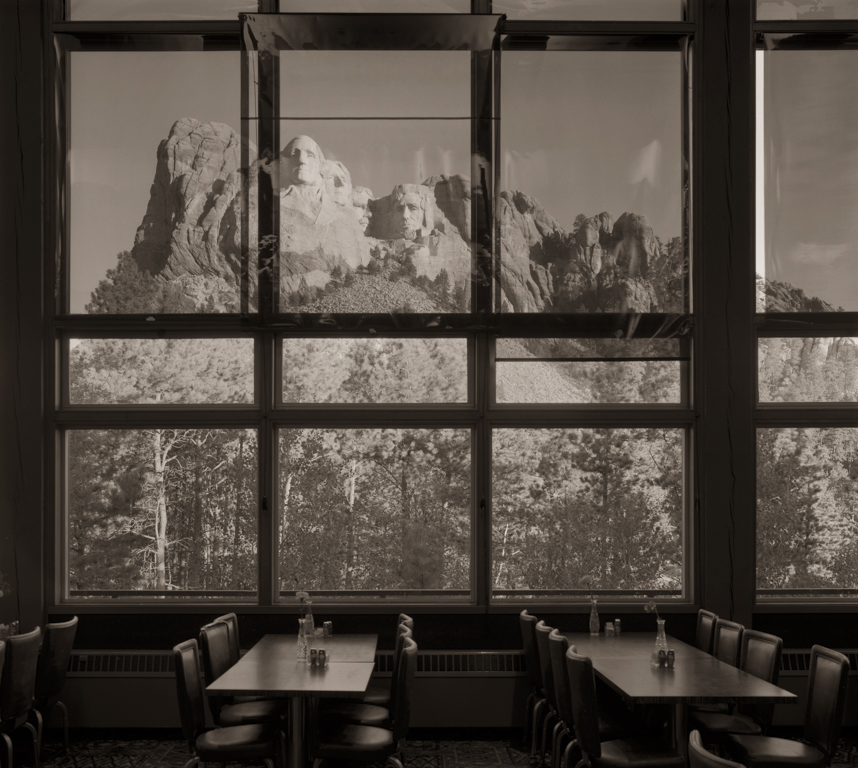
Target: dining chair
column 700, row 757
column 535, row 703
column 378, row 692
column 633, row 752
column 334, row 742
column 57, row 644
column 728, row 641
column 760, row 656
column 17, row 689
column 826, row 698
column 361, row 712
column 258, row 741
column 214, row 641
column 551, row 715
column 231, row 621
column 706, row 629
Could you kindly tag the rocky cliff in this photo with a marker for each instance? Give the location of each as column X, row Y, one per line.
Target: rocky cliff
column 417, row 235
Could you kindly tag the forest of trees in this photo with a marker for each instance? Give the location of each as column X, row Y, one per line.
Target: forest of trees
column 373, row 509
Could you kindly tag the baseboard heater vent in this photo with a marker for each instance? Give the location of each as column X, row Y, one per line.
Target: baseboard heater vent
column 121, row 664
column 797, row 661
column 458, row 663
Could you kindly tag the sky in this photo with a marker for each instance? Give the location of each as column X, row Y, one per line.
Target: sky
column 809, row 153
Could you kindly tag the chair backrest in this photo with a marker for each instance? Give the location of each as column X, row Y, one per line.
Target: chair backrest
column 826, row 698
column 18, row 680
column 527, row 624
column 400, row 705
column 706, row 629
column 542, row 633
column 404, row 618
column 189, row 690
column 404, row 632
column 582, row 688
column 700, row 757
column 57, row 645
column 231, row 621
column 761, row 657
column 214, row 641
column 557, row 647
column 728, row 641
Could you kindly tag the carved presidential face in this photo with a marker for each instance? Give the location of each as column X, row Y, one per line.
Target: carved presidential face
column 302, row 162
column 410, row 211
column 338, row 183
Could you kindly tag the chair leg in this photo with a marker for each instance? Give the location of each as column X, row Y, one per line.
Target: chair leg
column 8, row 750
column 528, row 715
column 537, row 711
column 560, row 732
column 545, row 724
column 567, row 753
column 34, row 733
column 193, row 761
column 317, row 763
column 394, row 761
column 65, row 725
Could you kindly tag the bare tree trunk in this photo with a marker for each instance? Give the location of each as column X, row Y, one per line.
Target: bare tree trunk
column 197, row 522
column 239, row 495
column 160, row 513
column 351, row 553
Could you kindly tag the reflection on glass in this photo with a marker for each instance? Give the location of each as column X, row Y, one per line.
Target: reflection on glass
column 577, row 511
column 162, row 511
column 375, row 6
column 565, row 371
column 806, row 496
column 375, row 84
column 808, row 370
column 807, row 170
column 155, row 182
column 157, row 10
column 803, row 10
column 160, row 371
column 592, row 10
column 375, row 216
column 326, row 370
column 375, row 513
column 591, row 207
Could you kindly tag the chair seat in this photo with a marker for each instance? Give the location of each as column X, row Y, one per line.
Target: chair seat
column 347, row 741
column 353, row 711
column 770, row 751
column 241, row 742
column 378, row 694
column 252, row 712
column 637, row 753
column 718, row 722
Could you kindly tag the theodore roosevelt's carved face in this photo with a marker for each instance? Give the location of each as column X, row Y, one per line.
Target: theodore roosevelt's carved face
column 302, row 162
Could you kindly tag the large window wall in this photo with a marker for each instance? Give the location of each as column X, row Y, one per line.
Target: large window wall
column 431, row 322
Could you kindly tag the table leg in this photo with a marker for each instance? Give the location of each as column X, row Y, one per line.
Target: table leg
column 296, row 733
column 679, row 729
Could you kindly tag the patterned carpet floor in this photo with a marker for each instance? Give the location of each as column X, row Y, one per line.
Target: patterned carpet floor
column 169, row 751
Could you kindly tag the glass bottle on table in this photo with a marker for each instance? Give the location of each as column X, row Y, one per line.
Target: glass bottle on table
column 594, row 617
column 303, row 643
column 660, row 644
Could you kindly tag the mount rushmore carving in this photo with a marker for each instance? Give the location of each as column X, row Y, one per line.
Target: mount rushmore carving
column 190, row 237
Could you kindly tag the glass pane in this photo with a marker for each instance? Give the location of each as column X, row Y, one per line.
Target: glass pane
column 157, row 10
column 806, row 497
column 155, row 182
column 375, row 6
column 804, row 10
column 160, row 371
column 807, row 188
column 591, row 208
column 808, row 370
column 577, row 511
column 592, row 10
column 570, row 371
column 327, row 370
column 375, row 513
column 162, row 512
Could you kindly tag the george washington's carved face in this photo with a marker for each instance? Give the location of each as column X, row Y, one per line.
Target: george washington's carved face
column 302, row 162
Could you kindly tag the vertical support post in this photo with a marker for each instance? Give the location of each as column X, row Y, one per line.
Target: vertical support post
column 724, row 284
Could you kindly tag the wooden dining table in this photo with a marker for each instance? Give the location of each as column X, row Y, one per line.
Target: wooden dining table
column 697, row 677
column 271, row 669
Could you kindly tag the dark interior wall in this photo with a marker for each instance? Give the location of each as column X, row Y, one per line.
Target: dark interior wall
column 21, row 414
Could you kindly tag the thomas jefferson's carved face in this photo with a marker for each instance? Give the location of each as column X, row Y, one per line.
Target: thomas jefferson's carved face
column 410, row 209
column 302, row 162
column 338, row 183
